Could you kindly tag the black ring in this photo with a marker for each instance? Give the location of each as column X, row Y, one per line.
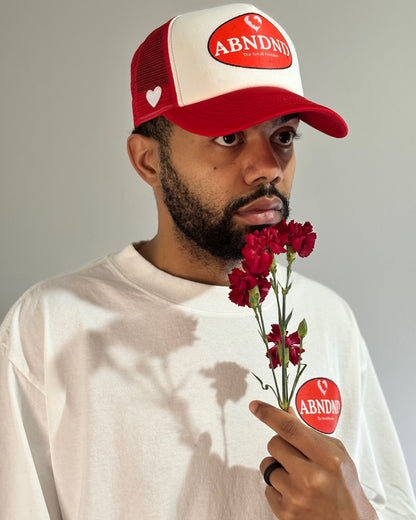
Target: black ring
column 268, row 471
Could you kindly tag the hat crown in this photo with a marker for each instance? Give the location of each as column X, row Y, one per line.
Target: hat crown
column 221, row 50
column 220, row 70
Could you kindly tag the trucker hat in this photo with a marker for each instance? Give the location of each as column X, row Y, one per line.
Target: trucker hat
column 220, row 70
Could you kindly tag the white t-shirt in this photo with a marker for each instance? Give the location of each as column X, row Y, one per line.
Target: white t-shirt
column 124, row 395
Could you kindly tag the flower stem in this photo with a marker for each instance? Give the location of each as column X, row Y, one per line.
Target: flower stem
column 283, row 330
column 275, row 285
column 295, row 382
column 259, row 317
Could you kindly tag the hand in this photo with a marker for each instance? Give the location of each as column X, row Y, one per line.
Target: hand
column 318, row 480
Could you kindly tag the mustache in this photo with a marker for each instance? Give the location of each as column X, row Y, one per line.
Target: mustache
column 263, row 190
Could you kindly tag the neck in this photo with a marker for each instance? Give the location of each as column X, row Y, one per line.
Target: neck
column 185, row 260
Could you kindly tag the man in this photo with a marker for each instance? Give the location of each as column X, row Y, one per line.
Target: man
column 125, row 386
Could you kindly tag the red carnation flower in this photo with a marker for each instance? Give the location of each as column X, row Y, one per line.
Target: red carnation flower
column 301, row 238
column 250, row 285
column 241, row 282
column 274, row 354
column 273, row 240
column 275, row 336
column 260, row 248
column 257, row 261
column 292, row 343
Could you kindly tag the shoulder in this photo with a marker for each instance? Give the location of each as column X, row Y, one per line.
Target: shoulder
column 60, row 312
column 52, row 289
column 50, row 306
column 322, row 303
column 310, row 288
column 84, row 283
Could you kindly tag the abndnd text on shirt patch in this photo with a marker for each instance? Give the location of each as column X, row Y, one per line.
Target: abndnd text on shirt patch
column 318, row 403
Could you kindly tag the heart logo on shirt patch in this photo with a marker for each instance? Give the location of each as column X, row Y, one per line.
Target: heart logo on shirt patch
column 323, row 385
column 318, row 403
column 153, row 96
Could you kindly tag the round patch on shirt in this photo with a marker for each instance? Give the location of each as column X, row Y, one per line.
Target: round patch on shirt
column 318, row 402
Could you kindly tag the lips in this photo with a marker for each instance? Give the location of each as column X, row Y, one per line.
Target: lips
column 261, row 211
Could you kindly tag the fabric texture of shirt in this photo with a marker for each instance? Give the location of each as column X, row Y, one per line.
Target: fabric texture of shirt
column 124, row 394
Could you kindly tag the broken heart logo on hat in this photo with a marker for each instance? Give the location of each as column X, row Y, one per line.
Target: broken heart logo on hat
column 318, row 402
column 250, row 41
column 253, row 20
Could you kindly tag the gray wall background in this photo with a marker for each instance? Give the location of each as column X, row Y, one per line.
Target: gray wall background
column 68, row 193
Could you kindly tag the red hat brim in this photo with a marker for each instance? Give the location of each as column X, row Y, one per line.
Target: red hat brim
column 241, row 109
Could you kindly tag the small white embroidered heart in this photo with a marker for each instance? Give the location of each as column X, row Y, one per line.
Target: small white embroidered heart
column 153, row 96
column 323, row 385
column 251, row 24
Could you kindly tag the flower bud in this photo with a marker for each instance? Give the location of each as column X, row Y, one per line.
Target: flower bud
column 273, row 266
column 290, row 255
column 254, row 297
column 302, row 329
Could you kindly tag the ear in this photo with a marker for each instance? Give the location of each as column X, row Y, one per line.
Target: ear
column 144, row 156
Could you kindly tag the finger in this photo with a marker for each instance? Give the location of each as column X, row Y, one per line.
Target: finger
column 307, row 441
column 292, row 412
column 274, row 498
column 289, row 456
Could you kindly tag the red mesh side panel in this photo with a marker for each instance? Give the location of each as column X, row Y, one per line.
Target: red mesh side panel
column 151, row 69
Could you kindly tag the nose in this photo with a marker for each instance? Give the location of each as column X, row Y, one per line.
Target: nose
column 261, row 165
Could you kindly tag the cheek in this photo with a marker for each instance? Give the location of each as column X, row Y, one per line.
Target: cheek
column 215, row 194
column 289, row 172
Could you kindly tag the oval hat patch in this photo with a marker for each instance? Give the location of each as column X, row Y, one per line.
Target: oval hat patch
column 250, row 41
column 318, row 402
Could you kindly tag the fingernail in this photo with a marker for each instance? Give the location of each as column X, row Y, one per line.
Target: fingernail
column 253, row 406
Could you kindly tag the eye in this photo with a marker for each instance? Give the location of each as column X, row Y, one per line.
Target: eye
column 285, row 137
column 228, row 140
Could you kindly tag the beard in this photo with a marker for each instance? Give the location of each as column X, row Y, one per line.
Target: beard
column 210, row 230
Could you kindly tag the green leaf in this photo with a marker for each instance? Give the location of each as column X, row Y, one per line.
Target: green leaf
column 288, row 319
column 286, row 291
column 263, row 386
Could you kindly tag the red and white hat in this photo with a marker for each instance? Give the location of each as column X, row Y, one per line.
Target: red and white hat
column 221, row 70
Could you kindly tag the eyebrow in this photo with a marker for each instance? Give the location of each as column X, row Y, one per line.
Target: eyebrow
column 276, row 121
column 283, row 119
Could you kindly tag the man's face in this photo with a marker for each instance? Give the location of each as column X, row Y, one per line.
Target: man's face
column 218, row 189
